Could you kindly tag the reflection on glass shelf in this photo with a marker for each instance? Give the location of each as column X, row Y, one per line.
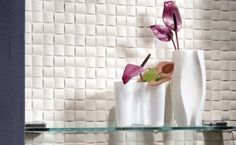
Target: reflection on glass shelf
column 113, row 128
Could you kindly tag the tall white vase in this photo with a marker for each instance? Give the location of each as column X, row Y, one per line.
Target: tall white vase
column 188, row 87
column 139, row 104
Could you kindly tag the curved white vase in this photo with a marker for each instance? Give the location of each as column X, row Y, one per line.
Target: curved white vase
column 139, row 104
column 188, row 87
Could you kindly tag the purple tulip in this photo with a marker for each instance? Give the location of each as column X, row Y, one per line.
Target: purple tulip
column 171, row 16
column 130, row 71
column 163, row 33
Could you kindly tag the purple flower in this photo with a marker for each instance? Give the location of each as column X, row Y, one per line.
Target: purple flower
column 163, row 33
column 171, row 16
column 130, row 71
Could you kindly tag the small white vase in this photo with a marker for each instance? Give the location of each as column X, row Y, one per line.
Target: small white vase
column 188, row 87
column 138, row 103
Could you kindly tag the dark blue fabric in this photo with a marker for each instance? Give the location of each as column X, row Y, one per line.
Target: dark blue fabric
column 12, row 21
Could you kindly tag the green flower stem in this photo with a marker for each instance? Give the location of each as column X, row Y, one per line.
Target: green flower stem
column 177, row 41
column 173, row 43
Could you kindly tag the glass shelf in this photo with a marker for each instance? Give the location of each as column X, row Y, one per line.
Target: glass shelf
column 133, row 128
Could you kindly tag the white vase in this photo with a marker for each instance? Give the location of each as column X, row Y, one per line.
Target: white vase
column 139, row 104
column 188, row 87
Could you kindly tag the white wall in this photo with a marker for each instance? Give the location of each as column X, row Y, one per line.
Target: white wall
column 76, row 49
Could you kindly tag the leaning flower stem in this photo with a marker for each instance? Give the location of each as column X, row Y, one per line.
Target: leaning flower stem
column 141, row 77
column 142, row 65
column 173, row 43
column 177, row 40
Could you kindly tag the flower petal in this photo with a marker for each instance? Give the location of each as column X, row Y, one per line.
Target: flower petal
column 163, row 33
column 165, row 69
column 130, row 71
column 170, row 11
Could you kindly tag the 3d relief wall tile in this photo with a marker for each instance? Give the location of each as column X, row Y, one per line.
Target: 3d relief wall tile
column 76, row 49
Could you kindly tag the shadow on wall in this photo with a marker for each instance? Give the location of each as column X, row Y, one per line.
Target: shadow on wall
column 111, row 118
column 145, row 37
column 213, row 138
column 169, row 117
column 216, row 46
column 128, row 48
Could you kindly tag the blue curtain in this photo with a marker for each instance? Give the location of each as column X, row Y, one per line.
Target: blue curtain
column 12, row 19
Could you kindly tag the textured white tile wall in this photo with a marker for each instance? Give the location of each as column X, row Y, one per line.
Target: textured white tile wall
column 75, row 49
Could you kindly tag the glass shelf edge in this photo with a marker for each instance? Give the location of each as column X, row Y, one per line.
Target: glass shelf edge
column 144, row 129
